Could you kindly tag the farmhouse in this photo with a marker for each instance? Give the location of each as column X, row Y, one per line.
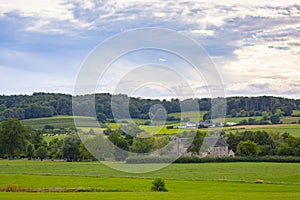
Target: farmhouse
column 216, row 147
column 191, row 125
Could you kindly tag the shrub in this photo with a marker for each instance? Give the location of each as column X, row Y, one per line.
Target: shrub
column 158, row 185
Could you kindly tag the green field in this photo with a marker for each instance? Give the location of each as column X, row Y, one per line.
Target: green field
column 191, row 114
column 296, row 112
column 184, row 181
column 292, row 129
column 59, row 122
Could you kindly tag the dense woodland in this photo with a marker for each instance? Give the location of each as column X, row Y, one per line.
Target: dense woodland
column 50, row 104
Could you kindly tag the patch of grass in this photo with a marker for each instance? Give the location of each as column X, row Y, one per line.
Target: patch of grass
column 296, row 112
column 289, row 120
column 292, row 129
column 59, row 122
column 191, row 114
column 47, row 138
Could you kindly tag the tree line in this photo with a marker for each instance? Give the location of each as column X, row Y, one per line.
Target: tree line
column 50, row 104
column 19, row 141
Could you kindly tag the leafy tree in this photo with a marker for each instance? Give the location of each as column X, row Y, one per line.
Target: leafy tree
column 99, row 147
column 35, row 138
column 84, row 153
column 158, row 185
column 197, row 142
column 142, row 145
column 248, row 148
column 30, row 151
column 275, row 119
column 13, row 137
column 54, row 148
column 41, row 153
column 70, row 147
column 121, row 145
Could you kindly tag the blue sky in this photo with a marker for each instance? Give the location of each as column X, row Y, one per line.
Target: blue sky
column 255, row 45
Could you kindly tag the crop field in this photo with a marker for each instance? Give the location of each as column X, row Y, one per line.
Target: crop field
column 184, row 181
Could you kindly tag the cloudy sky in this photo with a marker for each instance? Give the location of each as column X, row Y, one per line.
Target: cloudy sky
column 255, row 44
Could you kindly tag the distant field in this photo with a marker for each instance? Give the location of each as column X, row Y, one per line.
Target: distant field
column 289, row 120
column 59, row 122
column 48, row 138
column 192, row 115
column 184, row 181
column 296, row 112
column 293, row 129
column 163, row 129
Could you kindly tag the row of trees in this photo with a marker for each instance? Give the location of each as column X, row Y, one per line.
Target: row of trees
column 262, row 143
column 17, row 140
column 49, row 104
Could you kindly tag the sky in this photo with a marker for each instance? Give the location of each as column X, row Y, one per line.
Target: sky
column 255, row 45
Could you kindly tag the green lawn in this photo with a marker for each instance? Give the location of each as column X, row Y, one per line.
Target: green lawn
column 184, row 181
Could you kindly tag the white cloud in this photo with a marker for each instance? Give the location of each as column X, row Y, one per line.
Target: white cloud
column 238, row 34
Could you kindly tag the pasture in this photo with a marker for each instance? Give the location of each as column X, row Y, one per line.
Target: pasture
column 184, row 181
column 59, row 122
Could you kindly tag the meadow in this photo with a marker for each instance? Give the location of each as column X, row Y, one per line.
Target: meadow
column 184, row 181
column 59, row 122
column 293, row 129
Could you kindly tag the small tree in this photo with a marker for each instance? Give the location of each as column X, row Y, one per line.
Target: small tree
column 248, row 148
column 41, row 153
column 158, row 185
column 30, row 151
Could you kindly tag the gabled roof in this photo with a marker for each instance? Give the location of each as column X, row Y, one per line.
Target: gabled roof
column 216, row 142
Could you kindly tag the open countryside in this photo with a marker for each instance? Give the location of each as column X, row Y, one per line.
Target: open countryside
column 263, row 163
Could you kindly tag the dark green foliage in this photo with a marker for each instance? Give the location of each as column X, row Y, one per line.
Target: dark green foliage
column 121, row 145
column 49, row 104
column 197, row 159
column 247, row 148
column 149, row 159
column 70, row 147
column 30, row 151
column 143, row 145
column 197, row 143
column 41, row 153
column 158, row 185
column 275, row 119
column 13, row 136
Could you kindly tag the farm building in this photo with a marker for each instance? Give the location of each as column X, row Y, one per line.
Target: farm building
column 216, row 147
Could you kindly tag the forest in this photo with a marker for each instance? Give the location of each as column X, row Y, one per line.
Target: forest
column 50, row 104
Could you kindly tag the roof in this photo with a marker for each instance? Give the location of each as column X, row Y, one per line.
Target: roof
column 216, row 142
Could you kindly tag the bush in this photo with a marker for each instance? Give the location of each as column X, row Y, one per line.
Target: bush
column 197, row 159
column 158, row 185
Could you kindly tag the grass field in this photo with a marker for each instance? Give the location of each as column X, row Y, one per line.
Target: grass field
column 296, row 112
column 184, row 181
column 59, row 122
column 192, row 115
column 293, row 129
